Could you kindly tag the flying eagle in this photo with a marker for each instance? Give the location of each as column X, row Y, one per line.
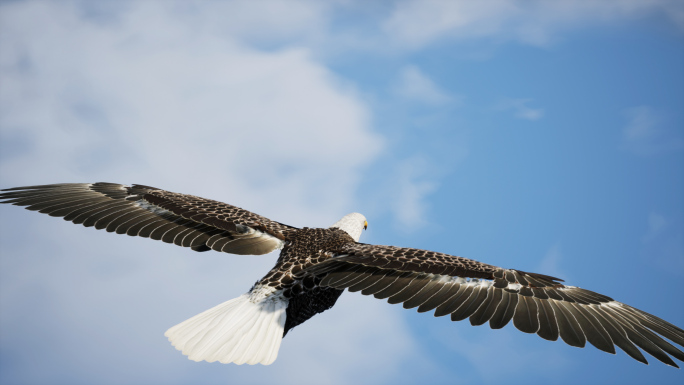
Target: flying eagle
column 316, row 265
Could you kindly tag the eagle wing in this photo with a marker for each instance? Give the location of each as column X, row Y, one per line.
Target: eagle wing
column 465, row 288
column 144, row 211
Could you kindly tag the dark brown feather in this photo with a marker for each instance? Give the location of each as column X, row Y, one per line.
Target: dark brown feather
column 150, row 212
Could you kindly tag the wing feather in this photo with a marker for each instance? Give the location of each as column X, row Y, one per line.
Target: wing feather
column 177, row 232
column 149, row 212
column 525, row 316
column 345, row 278
column 138, row 227
column 448, row 290
column 570, row 331
column 548, row 326
column 456, row 300
column 595, row 333
column 428, row 291
column 397, row 285
column 364, row 282
column 150, row 228
column 489, row 305
column 649, row 341
column 383, row 281
column 83, row 218
column 105, row 221
column 536, row 303
column 471, row 305
column 412, row 289
column 503, row 314
column 120, row 224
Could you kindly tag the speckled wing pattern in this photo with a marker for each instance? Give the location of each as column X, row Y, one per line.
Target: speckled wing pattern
column 464, row 288
column 144, row 211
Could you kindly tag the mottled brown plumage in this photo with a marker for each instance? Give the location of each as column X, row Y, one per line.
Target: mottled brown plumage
column 316, row 265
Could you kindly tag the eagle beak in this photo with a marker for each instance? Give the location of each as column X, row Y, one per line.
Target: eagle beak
column 365, row 225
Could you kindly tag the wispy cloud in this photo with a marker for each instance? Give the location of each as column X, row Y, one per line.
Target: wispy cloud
column 664, row 242
column 646, row 134
column 656, row 225
column 550, row 264
column 520, row 109
column 414, row 85
column 410, row 188
column 398, row 26
column 416, row 23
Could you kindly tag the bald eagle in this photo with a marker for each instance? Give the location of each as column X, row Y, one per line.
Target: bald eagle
column 317, row 264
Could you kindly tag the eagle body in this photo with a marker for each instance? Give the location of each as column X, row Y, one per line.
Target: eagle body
column 316, row 265
column 302, row 250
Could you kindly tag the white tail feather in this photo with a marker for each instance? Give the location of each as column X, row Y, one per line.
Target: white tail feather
column 247, row 329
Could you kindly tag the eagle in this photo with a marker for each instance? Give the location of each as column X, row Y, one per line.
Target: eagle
column 317, row 264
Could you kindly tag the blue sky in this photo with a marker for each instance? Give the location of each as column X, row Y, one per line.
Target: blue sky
column 543, row 136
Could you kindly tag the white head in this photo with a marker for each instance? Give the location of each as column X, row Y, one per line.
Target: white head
column 353, row 224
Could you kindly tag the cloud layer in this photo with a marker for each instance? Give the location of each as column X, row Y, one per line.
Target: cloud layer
column 145, row 97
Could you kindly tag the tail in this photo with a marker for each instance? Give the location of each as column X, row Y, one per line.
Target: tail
column 247, row 329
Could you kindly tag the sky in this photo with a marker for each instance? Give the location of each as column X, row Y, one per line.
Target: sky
column 542, row 136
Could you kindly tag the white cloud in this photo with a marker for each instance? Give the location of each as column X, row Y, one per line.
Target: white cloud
column 416, row 23
column 416, row 86
column 398, row 26
column 656, row 225
column 267, row 23
column 641, row 125
column 123, row 102
column 473, row 345
column 409, row 191
column 664, row 243
column 520, row 109
column 550, row 263
column 263, row 22
column 148, row 98
column 646, row 133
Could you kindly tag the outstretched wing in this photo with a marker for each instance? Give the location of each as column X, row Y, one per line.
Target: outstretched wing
column 149, row 212
column 484, row 293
